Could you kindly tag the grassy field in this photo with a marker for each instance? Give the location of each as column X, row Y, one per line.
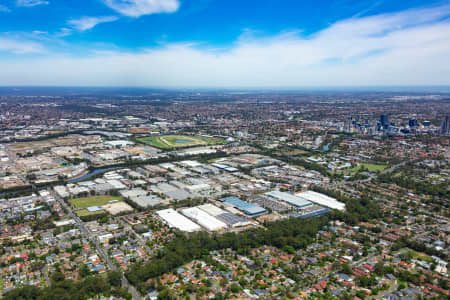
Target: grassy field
column 373, row 167
column 422, row 256
column 213, row 160
column 370, row 167
column 179, row 141
column 93, row 201
column 416, row 255
column 293, row 152
column 85, row 212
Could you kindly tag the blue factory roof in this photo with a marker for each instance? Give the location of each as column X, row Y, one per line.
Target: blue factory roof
column 246, row 207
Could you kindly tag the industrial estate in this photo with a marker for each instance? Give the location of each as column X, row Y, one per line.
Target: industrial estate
column 177, row 196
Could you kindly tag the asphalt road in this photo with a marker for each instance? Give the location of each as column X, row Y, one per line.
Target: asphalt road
column 45, row 272
column 139, row 239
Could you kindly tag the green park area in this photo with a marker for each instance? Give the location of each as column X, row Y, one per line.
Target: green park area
column 179, row 141
column 370, row 167
column 93, row 201
column 411, row 254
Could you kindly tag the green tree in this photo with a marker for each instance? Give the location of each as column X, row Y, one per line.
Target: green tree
column 235, row 288
column 114, row 278
column 379, row 268
column 84, row 271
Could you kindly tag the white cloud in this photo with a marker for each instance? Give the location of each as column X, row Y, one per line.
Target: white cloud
column 4, row 8
column 137, row 8
column 31, row 3
column 63, row 32
column 86, row 23
column 406, row 48
column 39, row 32
column 19, row 46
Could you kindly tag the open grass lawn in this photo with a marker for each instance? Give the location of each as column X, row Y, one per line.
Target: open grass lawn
column 179, row 141
column 373, row 167
column 421, row 256
column 352, row 170
column 85, row 212
column 370, row 167
column 153, row 141
column 43, row 282
column 213, row 160
column 93, row 201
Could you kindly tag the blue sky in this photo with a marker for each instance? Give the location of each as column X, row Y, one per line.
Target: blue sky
column 224, row 43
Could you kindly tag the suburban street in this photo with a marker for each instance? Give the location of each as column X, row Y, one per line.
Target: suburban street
column 100, row 250
column 139, row 238
column 45, row 272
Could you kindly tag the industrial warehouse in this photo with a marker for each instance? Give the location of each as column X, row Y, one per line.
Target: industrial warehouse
column 174, row 219
column 322, row 199
column 207, row 216
column 207, row 221
column 289, row 198
column 248, row 208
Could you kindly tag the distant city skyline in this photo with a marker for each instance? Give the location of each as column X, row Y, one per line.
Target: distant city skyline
column 230, row 44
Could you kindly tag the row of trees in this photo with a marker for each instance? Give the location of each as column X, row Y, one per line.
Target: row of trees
column 419, row 187
column 357, row 209
column 405, row 242
column 63, row 289
column 45, row 137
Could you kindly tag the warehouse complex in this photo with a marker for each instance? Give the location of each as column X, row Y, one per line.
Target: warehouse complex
column 207, row 221
column 250, row 209
column 174, row 219
column 322, row 199
column 207, row 216
column 224, row 216
column 212, row 209
column 141, row 197
column 293, row 200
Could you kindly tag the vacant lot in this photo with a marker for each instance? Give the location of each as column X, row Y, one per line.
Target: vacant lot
column 179, row 141
column 93, row 201
column 117, row 208
column 293, row 152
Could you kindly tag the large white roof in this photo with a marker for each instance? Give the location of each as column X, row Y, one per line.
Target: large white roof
column 204, row 219
column 211, row 209
column 174, row 219
column 289, row 198
column 322, row 199
column 190, row 163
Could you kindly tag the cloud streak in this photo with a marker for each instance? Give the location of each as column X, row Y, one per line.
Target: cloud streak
column 406, row 48
column 31, row 3
column 137, row 8
column 17, row 46
column 86, row 23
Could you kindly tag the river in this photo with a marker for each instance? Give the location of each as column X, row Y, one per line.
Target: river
column 93, row 173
